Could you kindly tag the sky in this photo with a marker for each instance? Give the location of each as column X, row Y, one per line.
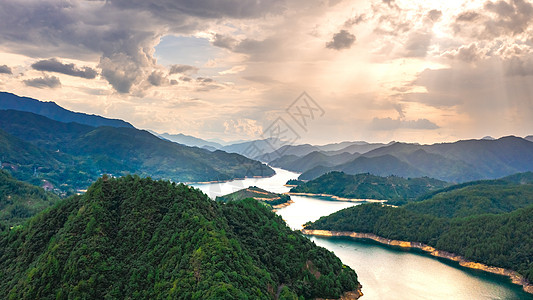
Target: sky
column 414, row 71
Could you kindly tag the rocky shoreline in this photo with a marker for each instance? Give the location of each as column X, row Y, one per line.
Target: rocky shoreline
column 515, row 277
column 336, row 197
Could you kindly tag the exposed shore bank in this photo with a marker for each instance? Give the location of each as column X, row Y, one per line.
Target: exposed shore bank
column 515, row 277
column 336, row 197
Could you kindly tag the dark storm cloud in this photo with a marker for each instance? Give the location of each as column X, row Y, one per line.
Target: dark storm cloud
column 224, row 41
column 341, row 40
column 182, row 69
column 5, row 70
column 206, row 8
column 43, row 82
column 122, row 33
column 384, row 124
column 54, row 65
column 157, row 79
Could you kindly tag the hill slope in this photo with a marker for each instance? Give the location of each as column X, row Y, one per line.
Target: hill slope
column 366, row 186
column 92, row 151
column 55, row 112
column 256, row 193
column 20, row 200
column 488, row 221
column 138, row 238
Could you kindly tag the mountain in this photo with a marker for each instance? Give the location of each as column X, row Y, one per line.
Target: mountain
column 256, row 193
column 191, row 141
column 253, row 148
column 339, row 146
column 314, row 159
column 80, row 153
column 55, row 112
column 366, row 186
column 384, row 165
column 500, row 240
column 134, row 238
column 478, row 197
column 20, row 200
column 489, row 221
column 529, row 138
column 454, row 162
column 357, row 147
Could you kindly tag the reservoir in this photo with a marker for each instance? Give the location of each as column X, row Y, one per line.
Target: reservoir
column 385, row 272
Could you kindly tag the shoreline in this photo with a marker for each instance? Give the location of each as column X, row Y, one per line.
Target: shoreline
column 515, row 277
column 224, row 181
column 336, row 198
column 282, row 205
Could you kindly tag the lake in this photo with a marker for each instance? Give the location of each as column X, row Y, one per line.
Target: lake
column 385, row 272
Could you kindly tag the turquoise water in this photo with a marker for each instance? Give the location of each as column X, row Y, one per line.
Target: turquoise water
column 385, row 272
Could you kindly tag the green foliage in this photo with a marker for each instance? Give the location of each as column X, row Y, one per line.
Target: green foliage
column 366, row 186
column 294, row 182
column 20, row 200
column 71, row 156
column 143, row 239
column 485, row 221
column 257, row 194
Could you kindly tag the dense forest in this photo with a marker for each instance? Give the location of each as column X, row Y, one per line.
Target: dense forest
column 256, row 193
column 367, row 186
column 20, row 200
column 144, row 239
column 71, row 156
column 486, row 221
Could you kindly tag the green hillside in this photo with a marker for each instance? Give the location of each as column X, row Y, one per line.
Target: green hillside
column 134, row 238
column 366, row 186
column 486, row 221
column 20, row 200
column 71, row 156
column 256, row 193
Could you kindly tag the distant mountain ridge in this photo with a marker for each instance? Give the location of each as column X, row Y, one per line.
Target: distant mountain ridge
column 55, row 112
column 74, row 155
column 189, row 140
column 460, row 161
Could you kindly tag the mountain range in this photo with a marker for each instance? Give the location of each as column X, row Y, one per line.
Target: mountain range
column 454, row 162
column 55, row 112
column 70, row 156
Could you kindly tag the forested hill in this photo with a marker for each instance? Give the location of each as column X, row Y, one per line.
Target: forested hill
column 77, row 154
column 143, row 239
column 256, row 193
column 55, row 112
column 489, row 222
column 367, row 186
column 20, row 200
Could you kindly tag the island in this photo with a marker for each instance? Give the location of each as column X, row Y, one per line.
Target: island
column 275, row 200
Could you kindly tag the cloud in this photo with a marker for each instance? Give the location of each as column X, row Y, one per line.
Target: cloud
column 157, row 78
column 248, row 127
column 355, row 20
column 383, row 124
column 341, row 40
column 5, row 70
column 54, row 65
column 43, row 82
column 224, row 41
column 465, row 53
column 519, row 66
column 417, row 44
column 182, row 69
